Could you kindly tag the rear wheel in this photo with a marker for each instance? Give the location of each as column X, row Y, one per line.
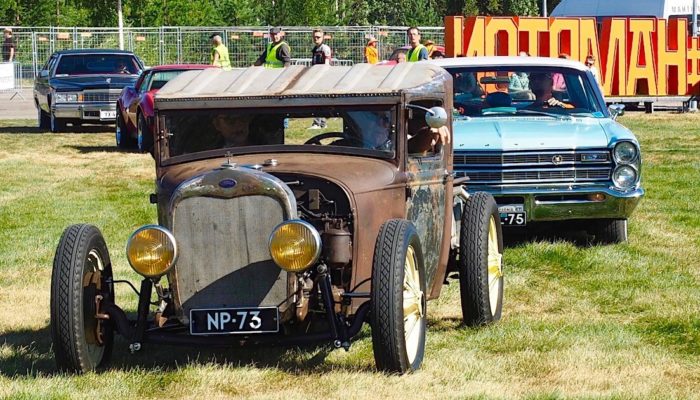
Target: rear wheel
column 81, row 273
column 398, row 299
column 610, row 231
column 480, row 261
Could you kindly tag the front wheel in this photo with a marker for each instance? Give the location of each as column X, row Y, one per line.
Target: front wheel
column 398, row 298
column 480, row 261
column 121, row 135
column 56, row 124
column 43, row 119
column 82, row 272
column 144, row 135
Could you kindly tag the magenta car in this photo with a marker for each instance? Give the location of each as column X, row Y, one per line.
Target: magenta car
column 134, row 118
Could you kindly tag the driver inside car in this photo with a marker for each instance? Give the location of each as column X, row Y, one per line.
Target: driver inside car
column 233, row 130
column 542, row 85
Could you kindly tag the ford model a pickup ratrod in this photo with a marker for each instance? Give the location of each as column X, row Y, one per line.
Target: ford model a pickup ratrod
column 270, row 233
column 535, row 133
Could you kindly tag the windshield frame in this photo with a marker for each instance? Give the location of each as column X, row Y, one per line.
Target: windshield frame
column 592, row 90
column 306, row 111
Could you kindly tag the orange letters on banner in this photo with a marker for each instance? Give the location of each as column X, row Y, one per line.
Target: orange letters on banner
column 635, row 56
column 641, row 76
column 531, row 32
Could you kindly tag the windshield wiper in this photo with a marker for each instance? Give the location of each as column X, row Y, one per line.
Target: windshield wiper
column 553, row 115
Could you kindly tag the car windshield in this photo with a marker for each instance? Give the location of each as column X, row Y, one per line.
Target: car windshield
column 367, row 129
column 160, row 78
column 97, row 64
column 525, row 91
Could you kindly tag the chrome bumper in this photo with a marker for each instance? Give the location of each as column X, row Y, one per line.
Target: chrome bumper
column 557, row 203
column 84, row 111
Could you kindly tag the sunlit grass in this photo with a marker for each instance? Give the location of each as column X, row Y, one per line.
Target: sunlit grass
column 619, row 321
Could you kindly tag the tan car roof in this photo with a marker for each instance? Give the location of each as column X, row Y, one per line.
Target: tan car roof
column 300, row 81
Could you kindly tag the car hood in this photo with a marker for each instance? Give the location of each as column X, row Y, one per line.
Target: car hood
column 531, row 133
column 92, row 82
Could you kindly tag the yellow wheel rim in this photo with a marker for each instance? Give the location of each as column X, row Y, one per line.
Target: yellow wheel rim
column 495, row 262
column 413, row 312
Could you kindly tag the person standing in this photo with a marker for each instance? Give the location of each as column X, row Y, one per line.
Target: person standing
column 590, row 63
column 417, row 52
column 219, row 53
column 320, row 54
column 8, row 46
column 277, row 54
column 371, row 51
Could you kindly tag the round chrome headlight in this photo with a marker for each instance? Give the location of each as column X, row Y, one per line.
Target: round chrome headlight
column 624, row 177
column 295, row 245
column 151, row 251
column 625, row 153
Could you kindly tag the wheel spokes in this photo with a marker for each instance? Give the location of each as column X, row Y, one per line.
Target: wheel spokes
column 495, row 265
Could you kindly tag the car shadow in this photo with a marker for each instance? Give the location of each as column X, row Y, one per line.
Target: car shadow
column 69, row 129
column 28, row 353
column 547, row 232
column 101, row 149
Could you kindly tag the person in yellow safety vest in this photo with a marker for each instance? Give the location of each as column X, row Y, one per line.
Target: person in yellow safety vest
column 417, row 52
column 219, row 53
column 277, row 54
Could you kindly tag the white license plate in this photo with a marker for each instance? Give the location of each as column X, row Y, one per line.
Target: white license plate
column 513, row 215
column 108, row 114
column 227, row 321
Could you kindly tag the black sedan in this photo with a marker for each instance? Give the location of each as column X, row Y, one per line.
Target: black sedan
column 82, row 86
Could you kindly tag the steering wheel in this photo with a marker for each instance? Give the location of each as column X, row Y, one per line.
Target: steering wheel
column 352, row 141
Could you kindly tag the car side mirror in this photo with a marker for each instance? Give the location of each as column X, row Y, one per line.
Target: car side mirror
column 436, row 117
column 43, row 73
column 616, row 110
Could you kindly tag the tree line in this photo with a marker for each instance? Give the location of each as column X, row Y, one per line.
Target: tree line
column 103, row 13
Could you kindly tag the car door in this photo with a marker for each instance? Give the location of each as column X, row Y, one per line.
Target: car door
column 41, row 84
column 135, row 96
column 427, row 174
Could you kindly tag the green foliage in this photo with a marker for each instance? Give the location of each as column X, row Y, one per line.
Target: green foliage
column 255, row 13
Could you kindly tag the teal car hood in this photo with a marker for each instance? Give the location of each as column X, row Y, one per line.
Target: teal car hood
column 532, row 133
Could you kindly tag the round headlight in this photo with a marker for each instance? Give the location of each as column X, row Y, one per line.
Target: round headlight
column 624, row 177
column 295, row 245
column 625, row 153
column 151, row 251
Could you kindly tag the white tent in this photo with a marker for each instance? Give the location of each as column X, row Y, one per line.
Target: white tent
column 625, row 8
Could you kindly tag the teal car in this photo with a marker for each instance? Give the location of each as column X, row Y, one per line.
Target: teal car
column 536, row 134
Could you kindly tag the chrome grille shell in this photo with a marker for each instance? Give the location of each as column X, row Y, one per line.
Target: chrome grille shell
column 222, row 232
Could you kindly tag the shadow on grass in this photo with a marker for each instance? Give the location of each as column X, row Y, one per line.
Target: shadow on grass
column 71, row 129
column 28, row 353
column 570, row 232
column 102, row 149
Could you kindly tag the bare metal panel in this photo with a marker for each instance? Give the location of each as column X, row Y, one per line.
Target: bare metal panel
column 224, row 257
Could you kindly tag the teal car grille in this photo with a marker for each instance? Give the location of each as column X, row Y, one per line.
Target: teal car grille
column 534, row 167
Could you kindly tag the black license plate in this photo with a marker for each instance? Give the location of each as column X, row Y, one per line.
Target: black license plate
column 231, row 321
column 517, row 218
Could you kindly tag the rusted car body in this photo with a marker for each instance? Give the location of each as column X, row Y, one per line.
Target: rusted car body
column 286, row 237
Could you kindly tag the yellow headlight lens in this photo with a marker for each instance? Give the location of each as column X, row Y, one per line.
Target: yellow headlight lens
column 151, row 251
column 295, row 245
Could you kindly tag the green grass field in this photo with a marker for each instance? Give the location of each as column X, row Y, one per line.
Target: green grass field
column 613, row 322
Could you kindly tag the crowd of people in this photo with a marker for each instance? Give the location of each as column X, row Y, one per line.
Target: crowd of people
column 278, row 53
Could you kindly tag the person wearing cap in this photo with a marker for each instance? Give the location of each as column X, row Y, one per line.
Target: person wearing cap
column 277, row 54
column 219, row 53
column 8, row 46
column 417, row 52
column 371, row 51
column 430, row 46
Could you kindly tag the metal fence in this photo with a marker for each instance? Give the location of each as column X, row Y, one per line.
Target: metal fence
column 177, row 45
